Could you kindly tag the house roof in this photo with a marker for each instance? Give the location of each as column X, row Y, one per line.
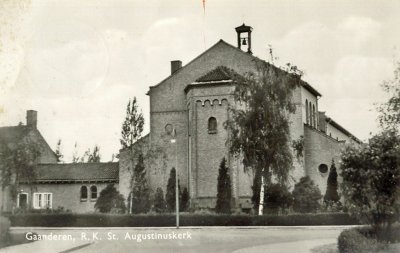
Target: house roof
column 222, row 42
column 13, row 134
column 339, row 127
column 76, row 172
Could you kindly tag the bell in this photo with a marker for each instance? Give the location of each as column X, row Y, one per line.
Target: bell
column 244, row 42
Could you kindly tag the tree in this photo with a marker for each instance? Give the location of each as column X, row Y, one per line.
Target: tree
column 132, row 127
column 278, row 198
column 259, row 125
column 17, row 163
column 184, row 200
column 371, row 179
column 58, row 152
column 224, row 189
column 91, row 156
column 389, row 117
column 159, row 202
column 75, row 156
column 110, row 200
column 140, row 194
column 332, row 196
column 170, row 196
column 306, row 196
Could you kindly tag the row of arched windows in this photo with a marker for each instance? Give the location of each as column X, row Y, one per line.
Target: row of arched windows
column 84, row 192
column 311, row 114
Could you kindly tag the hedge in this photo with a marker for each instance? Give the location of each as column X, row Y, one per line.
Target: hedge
column 168, row 220
column 363, row 240
column 4, row 229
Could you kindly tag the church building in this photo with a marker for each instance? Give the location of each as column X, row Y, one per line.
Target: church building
column 190, row 107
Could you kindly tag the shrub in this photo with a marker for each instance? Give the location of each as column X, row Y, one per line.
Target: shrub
column 4, row 229
column 353, row 241
column 277, row 198
column 170, row 197
column 331, row 197
column 184, row 203
column 306, row 196
column 140, row 188
column 159, row 202
column 371, row 178
column 110, row 200
column 224, row 191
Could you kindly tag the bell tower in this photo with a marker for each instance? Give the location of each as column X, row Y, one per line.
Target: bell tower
column 244, row 37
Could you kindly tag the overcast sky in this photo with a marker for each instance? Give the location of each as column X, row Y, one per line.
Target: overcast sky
column 78, row 62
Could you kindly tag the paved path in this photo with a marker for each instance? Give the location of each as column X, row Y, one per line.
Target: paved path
column 194, row 239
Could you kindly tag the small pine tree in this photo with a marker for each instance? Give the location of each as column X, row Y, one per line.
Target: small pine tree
column 159, row 202
column 306, row 196
column 170, row 195
column 140, row 188
column 110, row 199
column 224, row 191
column 184, row 200
column 331, row 196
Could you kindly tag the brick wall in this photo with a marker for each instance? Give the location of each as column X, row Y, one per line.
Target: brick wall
column 320, row 149
column 65, row 195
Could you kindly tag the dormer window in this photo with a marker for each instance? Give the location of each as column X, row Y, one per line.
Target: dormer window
column 212, row 125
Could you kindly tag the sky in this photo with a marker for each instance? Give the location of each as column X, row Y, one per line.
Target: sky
column 79, row 62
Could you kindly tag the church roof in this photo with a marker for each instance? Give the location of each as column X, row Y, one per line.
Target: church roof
column 220, row 73
column 222, row 42
column 76, row 172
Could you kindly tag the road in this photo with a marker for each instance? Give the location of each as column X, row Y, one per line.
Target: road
column 212, row 239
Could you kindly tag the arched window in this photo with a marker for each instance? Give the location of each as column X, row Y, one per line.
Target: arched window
column 93, row 192
column 307, row 112
column 212, row 125
column 313, row 116
column 84, row 193
column 310, row 113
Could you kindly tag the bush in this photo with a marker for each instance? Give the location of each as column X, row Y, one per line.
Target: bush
column 306, row 196
column 184, row 202
column 168, row 220
column 277, row 198
column 224, row 190
column 4, row 229
column 110, row 200
column 159, row 202
column 357, row 240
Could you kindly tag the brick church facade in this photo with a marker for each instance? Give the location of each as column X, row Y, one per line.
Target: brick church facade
column 191, row 106
column 194, row 101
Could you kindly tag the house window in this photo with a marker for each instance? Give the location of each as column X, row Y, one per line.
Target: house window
column 212, row 125
column 93, row 192
column 323, row 168
column 307, row 112
column 84, row 193
column 22, row 200
column 42, row 200
column 310, row 113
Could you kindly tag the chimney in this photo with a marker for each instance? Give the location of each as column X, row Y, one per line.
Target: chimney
column 322, row 122
column 31, row 118
column 175, row 65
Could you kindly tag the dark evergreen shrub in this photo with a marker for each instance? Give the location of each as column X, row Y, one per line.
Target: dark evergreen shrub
column 224, row 189
column 170, row 197
column 184, row 200
column 110, row 199
column 140, row 188
column 277, row 198
column 159, row 202
column 331, row 196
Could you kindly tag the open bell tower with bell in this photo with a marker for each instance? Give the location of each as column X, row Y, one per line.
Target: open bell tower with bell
column 244, row 37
